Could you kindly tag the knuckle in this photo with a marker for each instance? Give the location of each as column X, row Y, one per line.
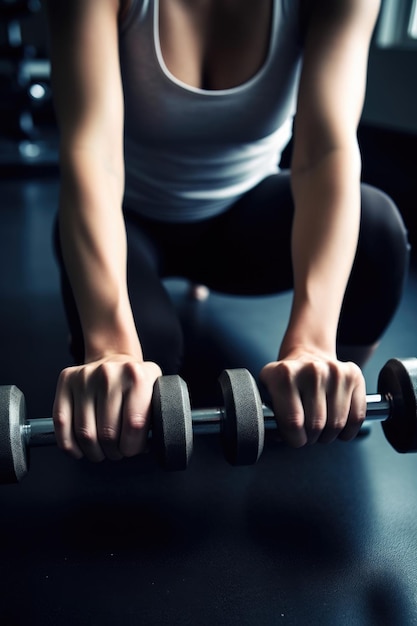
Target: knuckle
column 353, row 368
column 65, row 376
column 354, row 374
column 85, row 435
column 59, row 419
column 82, row 378
column 293, row 423
column 320, row 370
column 136, row 422
column 108, row 434
column 357, row 418
column 104, row 376
column 338, row 424
column 314, row 373
column 284, row 374
column 335, row 374
column 133, row 374
column 317, row 425
column 315, row 367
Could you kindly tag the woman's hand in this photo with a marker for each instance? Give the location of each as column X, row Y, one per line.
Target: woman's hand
column 315, row 398
column 102, row 408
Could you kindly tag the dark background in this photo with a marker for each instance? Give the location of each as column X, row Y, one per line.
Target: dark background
column 323, row 536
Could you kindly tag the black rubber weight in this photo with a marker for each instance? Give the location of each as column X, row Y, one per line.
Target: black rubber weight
column 13, row 454
column 243, row 429
column 172, row 430
column 398, row 379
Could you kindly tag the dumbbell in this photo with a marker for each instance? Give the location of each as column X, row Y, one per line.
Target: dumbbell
column 173, row 425
column 241, row 421
column 243, row 418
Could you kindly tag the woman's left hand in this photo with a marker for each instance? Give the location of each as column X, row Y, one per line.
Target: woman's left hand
column 315, row 398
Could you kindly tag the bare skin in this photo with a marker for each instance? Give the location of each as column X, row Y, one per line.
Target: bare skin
column 101, row 408
column 214, row 44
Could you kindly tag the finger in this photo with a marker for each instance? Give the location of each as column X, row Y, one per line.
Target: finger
column 286, row 402
column 314, row 401
column 338, row 394
column 109, row 417
column 357, row 413
column 315, row 410
column 135, row 422
column 289, row 413
column 337, row 414
column 62, row 412
column 346, row 404
column 85, row 428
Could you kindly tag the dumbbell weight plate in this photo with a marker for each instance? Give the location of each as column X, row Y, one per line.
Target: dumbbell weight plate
column 398, row 379
column 13, row 453
column 243, row 427
column 172, row 429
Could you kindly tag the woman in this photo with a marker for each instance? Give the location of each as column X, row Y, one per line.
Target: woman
column 173, row 116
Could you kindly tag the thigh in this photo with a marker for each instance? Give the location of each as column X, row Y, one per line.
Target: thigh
column 248, row 251
column 377, row 279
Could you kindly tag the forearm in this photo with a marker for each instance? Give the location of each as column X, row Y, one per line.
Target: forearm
column 324, row 240
column 93, row 242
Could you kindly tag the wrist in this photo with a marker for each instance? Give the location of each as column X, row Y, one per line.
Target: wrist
column 112, row 336
column 109, row 348
column 312, row 326
column 307, row 340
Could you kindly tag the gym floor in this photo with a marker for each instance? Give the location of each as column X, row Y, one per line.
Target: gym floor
column 323, row 536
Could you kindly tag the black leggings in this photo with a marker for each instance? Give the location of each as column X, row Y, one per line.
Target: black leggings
column 246, row 251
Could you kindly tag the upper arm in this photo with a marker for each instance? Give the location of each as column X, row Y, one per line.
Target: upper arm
column 333, row 78
column 86, row 77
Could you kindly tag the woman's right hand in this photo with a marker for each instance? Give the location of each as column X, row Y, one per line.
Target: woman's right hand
column 102, row 408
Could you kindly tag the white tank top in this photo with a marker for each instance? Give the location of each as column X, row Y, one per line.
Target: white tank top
column 190, row 153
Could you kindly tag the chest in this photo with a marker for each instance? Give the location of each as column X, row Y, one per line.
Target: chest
column 214, row 44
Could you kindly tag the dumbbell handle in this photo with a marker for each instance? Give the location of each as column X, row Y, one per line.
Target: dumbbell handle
column 40, row 431
column 378, row 409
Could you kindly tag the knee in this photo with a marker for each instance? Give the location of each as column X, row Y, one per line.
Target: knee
column 383, row 235
column 383, row 247
column 378, row 275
